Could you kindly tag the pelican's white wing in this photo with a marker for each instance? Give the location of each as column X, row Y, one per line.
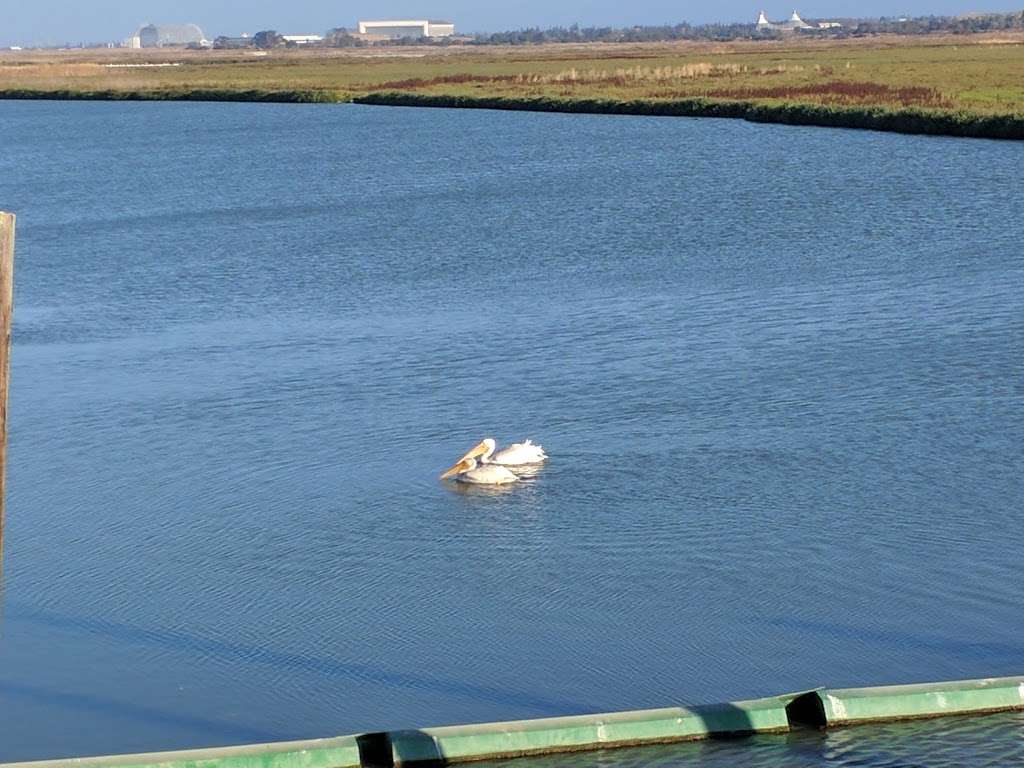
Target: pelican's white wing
column 487, row 474
column 519, row 453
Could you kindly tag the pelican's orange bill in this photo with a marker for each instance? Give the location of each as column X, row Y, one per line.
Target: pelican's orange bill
column 459, row 467
column 478, row 450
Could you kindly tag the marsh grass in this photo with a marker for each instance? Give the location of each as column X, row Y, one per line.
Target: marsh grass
column 841, row 92
column 958, row 79
column 910, row 120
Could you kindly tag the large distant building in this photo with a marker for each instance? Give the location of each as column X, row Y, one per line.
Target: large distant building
column 397, row 29
column 161, row 35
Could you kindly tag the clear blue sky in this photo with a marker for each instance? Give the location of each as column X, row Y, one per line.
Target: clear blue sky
column 27, row 22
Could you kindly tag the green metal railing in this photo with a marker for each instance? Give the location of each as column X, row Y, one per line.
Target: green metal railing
column 820, row 708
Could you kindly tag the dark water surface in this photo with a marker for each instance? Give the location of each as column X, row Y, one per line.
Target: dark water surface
column 779, row 371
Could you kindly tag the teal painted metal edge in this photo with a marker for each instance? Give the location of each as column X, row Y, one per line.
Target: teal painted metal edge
column 464, row 743
column 844, row 706
column 568, row 734
column 340, row 752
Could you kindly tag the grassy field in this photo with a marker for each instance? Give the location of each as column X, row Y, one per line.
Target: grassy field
column 956, row 78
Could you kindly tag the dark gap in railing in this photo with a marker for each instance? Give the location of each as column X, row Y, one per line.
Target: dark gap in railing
column 375, row 750
column 806, row 711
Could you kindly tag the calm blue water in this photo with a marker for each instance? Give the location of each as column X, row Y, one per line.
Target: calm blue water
column 779, row 371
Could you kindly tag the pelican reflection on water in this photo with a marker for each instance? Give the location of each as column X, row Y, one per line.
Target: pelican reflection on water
column 479, row 490
column 493, row 467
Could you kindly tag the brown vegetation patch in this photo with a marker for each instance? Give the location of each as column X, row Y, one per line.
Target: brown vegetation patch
column 32, row 69
column 840, row 92
column 420, row 82
column 633, row 75
column 619, row 77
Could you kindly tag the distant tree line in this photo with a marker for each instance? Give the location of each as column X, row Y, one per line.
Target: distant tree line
column 339, row 37
column 638, row 34
column 922, row 25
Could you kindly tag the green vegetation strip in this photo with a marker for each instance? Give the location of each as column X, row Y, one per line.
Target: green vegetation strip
column 821, row 707
column 899, row 120
column 908, row 120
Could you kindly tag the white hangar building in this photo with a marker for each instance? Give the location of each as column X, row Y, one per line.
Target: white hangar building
column 407, row 28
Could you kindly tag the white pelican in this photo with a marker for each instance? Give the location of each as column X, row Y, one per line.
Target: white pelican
column 467, row 471
column 514, row 455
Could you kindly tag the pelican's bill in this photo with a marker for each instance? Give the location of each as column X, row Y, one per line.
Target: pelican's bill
column 462, row 465
column 479, row 449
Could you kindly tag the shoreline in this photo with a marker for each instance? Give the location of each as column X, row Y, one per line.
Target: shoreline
column 286, row 96
column 906, row 121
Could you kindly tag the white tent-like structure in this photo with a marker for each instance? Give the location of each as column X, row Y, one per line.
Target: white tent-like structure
column 792, row 24
column 795, row 22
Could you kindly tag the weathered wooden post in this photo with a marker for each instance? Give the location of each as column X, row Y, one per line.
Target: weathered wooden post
column 6, row 303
